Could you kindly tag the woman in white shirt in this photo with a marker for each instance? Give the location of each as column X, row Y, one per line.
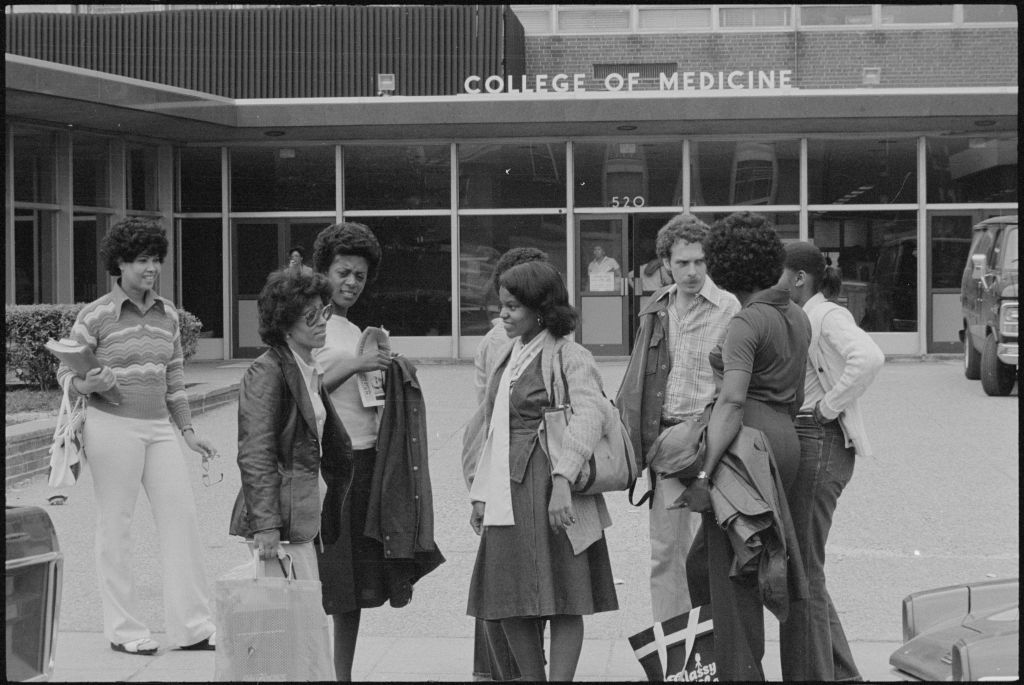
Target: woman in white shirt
column 842, row 360
column 353, row 570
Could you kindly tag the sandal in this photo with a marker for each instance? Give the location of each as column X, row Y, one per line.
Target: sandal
column 144, row 646
column 207, row 643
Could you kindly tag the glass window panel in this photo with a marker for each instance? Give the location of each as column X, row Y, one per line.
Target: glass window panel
column 202, row 291
column 835, row 15
column 34, row 253
column 35, row 164
column 534, row 21
column 91, row 167
column 749, row 17
column 865, row 171
column 972, row 168
column 593, row 20
column 990, row 13
column 482, row 240
column 90, row 275
column 493, row 176
column 917, row 14
column 413, row 293
column 744, row 173
column 877, row 253
column 141, row 178
column 628, row 174
column 660, row 19
column 950, row 244
column 398, row 177
column 266, row 179
column 199, row 179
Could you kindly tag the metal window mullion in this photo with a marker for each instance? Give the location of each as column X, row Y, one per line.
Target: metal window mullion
column 687, row 179
column 924, row 251
column 805, row 229
column 456, row 251
column 227, row 296
column 9, row 260
column 339, row 184
column 570, row 225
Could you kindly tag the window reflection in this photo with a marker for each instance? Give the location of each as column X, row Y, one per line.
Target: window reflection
column 141, row 178
column 398, row 177
column 34, row 162
column 871, row 171
column 91, row 164
column 267, row 179
column 35, row 251
column 412, row 294
column 877, row 253
column 201, row 288
column 199, row 179
column 482, row 240
column 744, row 173
column 972, row 168
column 628, row 174
column 493, row 176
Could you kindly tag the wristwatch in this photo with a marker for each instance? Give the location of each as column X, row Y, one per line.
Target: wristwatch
column 703, row 475
column 819, row 417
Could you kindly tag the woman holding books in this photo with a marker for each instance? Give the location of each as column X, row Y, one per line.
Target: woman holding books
column 353, row 570
column 134, row 334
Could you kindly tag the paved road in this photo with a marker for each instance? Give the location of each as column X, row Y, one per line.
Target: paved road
column 937, row 506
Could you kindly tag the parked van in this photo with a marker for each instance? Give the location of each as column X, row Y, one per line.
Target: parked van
column 988, row 298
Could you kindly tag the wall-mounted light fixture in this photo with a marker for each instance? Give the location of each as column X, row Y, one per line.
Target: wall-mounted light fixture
column 385, row 84
column 871, row 76
column 273, row 134
column 626, row 127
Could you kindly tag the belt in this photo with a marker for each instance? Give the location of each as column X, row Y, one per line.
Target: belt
column 805, row 415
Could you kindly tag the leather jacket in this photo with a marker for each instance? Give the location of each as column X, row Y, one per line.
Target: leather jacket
column 401, row 511
column 279, row 455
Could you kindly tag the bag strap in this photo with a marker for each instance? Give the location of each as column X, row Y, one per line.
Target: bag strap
column 64, row 413
column 647, row 497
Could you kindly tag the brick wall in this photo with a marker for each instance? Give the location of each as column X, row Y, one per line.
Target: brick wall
column 920, row 58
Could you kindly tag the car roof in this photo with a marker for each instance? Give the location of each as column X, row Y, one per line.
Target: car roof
column 996, row 220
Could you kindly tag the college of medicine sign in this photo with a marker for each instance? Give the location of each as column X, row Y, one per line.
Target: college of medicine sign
column 686, row 80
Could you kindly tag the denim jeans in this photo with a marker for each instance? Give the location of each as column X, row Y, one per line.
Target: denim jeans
column 812, row 641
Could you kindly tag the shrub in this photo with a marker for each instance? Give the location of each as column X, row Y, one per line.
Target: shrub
column 29, row 326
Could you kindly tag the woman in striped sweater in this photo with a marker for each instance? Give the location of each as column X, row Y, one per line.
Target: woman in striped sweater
column 134, row 334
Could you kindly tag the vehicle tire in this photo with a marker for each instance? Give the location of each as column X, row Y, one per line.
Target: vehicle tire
column 972, row 358
column 997, row 378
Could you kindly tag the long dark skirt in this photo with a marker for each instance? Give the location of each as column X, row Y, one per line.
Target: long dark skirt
column 526, row 570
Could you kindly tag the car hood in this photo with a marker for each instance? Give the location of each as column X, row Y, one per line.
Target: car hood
column 929, row 656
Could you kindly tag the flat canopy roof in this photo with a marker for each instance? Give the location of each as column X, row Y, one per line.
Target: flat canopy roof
column 46, row 92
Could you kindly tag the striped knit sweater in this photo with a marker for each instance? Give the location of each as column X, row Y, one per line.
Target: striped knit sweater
column 144, row 352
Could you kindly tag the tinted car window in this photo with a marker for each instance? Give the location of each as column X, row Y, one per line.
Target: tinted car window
column 1006, row 255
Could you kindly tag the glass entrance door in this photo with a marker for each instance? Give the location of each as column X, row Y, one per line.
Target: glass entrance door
column 603, row 302
column 259, row 247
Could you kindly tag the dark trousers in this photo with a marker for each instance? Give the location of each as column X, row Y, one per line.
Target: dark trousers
column 812, row 642
column 735, row 606
column 492, row 657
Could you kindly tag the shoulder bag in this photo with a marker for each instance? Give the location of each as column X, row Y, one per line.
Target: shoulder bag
column 67, row 450
column 611, row 467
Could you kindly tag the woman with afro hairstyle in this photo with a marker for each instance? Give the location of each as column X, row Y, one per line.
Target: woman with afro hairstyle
column 352, row 569
column 134, row 334
column 543, row 553
column 759, row 369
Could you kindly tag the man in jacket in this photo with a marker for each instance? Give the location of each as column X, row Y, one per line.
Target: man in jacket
column 842, row 361
column 669, row 381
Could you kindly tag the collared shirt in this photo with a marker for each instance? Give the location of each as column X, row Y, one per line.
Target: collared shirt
column 602, row 265
column 692, row 336
column 312, row 376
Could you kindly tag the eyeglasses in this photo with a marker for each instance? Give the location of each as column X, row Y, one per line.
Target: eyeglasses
column 312, row 315
column 206, row 474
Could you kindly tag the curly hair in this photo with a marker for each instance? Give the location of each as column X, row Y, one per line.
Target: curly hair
column 129, row 239
column 514, row 257
column 743, row 253
column 682, row 227
column 284, row 296
column 347, row 238
column 539, row 286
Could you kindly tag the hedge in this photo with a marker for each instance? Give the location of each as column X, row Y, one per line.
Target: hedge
column 29, row 326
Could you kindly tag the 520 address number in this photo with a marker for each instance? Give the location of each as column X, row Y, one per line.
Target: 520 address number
column 627, row 201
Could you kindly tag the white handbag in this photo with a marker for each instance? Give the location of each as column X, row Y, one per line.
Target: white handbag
column 67, row 451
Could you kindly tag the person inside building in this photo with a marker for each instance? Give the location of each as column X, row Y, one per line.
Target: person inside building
column 760, row 365
column 135, row 335
column 288, row 429
column 492, row 658
column 353, row 570
column 842, row 361
column 678, row 329
column 602, row 263
column 543, row 553
column 297, row 259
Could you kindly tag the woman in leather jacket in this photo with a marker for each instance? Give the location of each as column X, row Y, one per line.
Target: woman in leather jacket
column 292, row 448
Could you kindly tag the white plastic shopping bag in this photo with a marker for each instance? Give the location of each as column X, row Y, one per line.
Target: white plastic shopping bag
column 270, row 629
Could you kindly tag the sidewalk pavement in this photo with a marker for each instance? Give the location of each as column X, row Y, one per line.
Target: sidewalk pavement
column 419, row 656
column 85, row 657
